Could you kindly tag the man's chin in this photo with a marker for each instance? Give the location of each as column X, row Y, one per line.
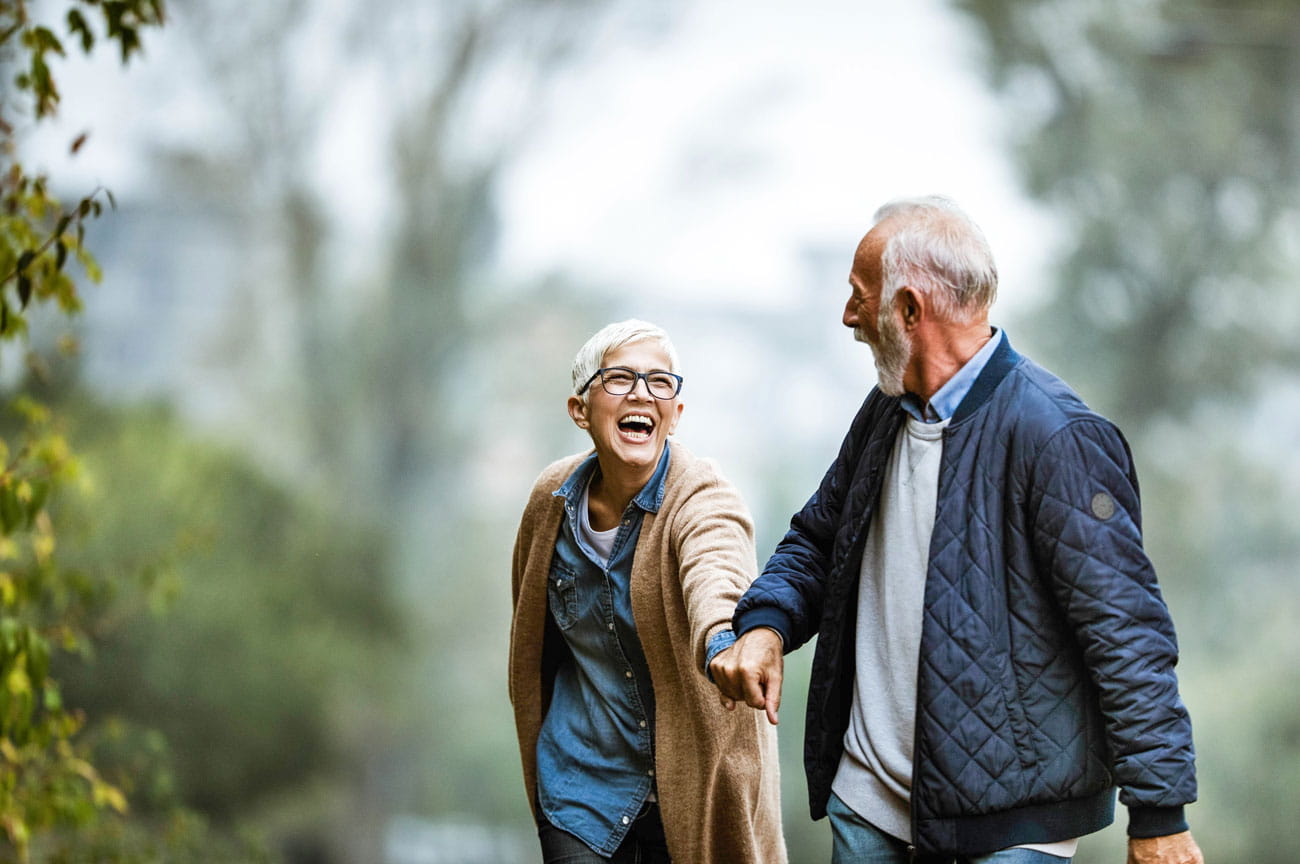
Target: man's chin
column 889, row 384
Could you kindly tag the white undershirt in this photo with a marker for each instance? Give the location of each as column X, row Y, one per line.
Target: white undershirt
column 601, row 542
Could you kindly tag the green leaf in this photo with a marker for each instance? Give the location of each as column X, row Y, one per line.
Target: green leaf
column 47, row 41
column 40, row 494
column 130, row 43
column 8, row 636
column 77, row 26
column 10, row 511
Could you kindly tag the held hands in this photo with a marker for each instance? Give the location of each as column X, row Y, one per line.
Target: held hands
column 750, row 672
column 1174, row 849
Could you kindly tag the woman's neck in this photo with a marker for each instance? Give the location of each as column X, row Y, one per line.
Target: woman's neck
column 609, row 494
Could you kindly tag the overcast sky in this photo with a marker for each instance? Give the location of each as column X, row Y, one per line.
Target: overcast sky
column 708, row 160
column 703, row 161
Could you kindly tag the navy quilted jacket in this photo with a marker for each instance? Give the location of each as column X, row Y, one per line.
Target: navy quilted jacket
column 1047, row 653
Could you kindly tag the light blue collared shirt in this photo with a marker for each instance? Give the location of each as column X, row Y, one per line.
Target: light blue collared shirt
column 943, row 404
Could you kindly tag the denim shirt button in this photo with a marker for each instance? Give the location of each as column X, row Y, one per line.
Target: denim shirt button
column 627, row 674
column 626, row 820
column 642, row 724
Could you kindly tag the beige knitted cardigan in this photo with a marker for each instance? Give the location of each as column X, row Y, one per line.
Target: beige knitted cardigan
column 717, row 771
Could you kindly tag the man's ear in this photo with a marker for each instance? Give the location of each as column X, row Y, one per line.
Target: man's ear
column 677, row 416
column 578, row 411
column 910, row 305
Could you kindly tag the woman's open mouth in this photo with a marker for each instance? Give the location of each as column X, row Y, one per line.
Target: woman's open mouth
column 636, row 428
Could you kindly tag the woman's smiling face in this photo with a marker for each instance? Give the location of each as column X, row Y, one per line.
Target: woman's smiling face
column 629, row 431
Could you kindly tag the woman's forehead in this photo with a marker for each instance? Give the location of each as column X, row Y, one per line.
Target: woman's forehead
column 641, row 355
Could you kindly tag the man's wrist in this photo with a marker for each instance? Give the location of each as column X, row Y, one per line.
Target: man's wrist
column 768, row 617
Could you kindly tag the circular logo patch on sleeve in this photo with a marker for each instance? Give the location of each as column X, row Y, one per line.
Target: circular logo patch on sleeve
column 1103, row 506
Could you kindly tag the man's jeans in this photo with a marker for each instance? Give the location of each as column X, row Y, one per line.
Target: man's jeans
column 857, row 841
column 644, row 843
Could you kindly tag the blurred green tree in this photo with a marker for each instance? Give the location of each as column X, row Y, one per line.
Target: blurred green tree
column 390, row 380
column 269, row 670
column 1164, row 138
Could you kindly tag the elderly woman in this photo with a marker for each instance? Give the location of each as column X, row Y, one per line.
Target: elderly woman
column 628, row 564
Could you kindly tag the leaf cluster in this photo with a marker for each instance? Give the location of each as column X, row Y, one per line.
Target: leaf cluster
column 49, row 784
column 46, row 778
column 35, row 44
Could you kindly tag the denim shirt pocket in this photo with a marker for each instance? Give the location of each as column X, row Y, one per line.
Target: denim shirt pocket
column 562, row 594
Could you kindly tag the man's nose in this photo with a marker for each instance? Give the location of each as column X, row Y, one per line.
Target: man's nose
column 850, row 318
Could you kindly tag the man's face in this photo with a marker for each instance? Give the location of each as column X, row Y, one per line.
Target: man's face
column 880, row 328
column 629, row 431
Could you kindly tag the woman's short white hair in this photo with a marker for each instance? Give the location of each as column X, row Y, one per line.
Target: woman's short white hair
column 939, row 250
column 613, row 336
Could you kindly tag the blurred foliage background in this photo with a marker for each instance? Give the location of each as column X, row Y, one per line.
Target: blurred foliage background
column 273, row 463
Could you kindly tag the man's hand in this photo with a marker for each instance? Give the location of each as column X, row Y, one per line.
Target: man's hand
column 750, row 672
column 1174, row 849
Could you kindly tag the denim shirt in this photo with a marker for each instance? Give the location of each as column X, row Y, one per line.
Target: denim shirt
column 595, row 753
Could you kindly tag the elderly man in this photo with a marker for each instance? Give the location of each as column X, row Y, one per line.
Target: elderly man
column 994, row 654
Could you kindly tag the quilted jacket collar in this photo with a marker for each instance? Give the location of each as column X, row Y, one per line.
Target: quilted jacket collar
column 1004, row 359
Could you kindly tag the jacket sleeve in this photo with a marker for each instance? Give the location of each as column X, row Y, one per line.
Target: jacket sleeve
column 1087, row 538
column 787, row 596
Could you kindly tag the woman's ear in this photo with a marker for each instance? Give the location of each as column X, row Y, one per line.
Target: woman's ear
column 578, row 411
column 677, row 416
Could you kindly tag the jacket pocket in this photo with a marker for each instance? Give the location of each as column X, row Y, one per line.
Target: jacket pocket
column 562, row 595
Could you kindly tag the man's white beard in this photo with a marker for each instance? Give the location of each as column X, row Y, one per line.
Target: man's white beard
column 891, row 352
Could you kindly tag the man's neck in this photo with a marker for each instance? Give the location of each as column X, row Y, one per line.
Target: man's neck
column 939, row 351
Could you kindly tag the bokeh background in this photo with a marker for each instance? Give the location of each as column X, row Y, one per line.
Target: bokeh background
column 356, row 245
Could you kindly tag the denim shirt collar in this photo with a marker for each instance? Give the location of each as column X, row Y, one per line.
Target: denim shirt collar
column 649, row 499
column 943, row 404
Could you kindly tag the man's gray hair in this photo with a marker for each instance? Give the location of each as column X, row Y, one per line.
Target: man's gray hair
column 613, row 336
column 938, row 250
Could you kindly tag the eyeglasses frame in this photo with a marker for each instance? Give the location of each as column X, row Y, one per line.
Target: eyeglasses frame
column 639, row 376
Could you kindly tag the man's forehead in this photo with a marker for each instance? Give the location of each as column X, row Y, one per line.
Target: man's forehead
column 867, row 255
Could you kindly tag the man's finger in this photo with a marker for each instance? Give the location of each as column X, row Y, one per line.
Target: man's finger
column 755, row 697
column 773, row 702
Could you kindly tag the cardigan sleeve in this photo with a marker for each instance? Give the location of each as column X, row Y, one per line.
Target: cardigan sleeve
column 713, row 537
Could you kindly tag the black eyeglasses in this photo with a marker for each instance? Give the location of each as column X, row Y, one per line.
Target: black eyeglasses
column 620, row 381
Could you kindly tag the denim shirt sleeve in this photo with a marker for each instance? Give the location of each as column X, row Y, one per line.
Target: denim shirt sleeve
column 721, row 641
